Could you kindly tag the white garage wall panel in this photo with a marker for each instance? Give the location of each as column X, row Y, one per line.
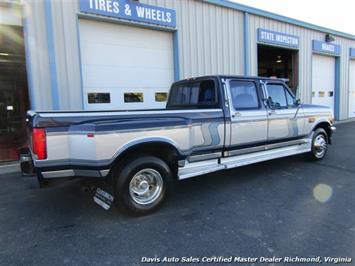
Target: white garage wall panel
column 323, row 80
column 120, row 59
column 352, row 88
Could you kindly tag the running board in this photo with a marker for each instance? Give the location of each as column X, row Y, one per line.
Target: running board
column 199, row 168
column 209, row 166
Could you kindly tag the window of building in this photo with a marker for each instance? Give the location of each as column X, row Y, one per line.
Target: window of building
column 277, row 95
column 244, row 95
column 99, row 97
column 161, row 96
column 133, row 97
column 199, row 94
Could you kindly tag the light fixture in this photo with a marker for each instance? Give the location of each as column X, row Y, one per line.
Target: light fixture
column 279, row 60
column 4, row 54
column 329, row 38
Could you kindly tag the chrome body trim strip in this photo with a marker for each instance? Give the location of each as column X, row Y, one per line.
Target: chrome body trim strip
column 206, row 156
column 268, row 147
column 59, row 173
column 75, row 172
column 104, row 172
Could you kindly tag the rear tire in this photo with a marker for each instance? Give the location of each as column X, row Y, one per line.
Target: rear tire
column 142, row 185
column 319, row 145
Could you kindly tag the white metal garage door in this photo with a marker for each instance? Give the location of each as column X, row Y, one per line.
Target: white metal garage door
column 124, row 67
column 352, row 89
column 323, row 80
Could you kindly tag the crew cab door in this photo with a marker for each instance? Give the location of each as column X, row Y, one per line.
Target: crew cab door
column 248, row 126
column 285, row 116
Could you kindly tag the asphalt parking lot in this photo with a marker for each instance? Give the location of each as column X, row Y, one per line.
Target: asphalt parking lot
column 285, row 207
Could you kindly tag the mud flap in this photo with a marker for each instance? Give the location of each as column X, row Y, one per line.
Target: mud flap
column 103, row 198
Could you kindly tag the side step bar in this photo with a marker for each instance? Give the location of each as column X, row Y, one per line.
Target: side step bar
column 209, row 166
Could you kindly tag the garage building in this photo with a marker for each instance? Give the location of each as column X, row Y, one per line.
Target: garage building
column 124, row 54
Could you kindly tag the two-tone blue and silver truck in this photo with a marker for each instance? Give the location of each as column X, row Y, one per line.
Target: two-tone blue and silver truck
column 209, row 124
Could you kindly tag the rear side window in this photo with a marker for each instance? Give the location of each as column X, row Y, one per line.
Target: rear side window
column 199, row 94
column 244, row 95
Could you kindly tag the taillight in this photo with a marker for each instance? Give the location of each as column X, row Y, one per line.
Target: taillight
column 39, row 143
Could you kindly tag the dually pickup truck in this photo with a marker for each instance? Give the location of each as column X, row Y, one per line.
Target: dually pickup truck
column 210, row 124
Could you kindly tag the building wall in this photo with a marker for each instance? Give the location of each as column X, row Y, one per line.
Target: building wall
column 37, row 55
column 210, row 41
column 210, row 37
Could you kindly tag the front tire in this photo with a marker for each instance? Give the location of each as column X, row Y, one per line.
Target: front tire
column 142, row 184
column 319, row 145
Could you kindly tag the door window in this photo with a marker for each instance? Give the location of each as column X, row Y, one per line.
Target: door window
column 290, row 99
column 244, row 95
column 277, row 96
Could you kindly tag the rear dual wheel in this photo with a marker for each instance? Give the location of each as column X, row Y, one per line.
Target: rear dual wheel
column 142, row 184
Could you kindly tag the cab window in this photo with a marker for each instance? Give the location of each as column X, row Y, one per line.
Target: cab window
column 197, row 94
column 290, row 99
column 280, row 97
column 277, row 96
column 244, row 95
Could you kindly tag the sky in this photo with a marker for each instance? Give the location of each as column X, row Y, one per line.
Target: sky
column 334, row 14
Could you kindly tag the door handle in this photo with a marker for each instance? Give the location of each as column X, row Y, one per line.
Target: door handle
column 238, row 114
column 272, row 112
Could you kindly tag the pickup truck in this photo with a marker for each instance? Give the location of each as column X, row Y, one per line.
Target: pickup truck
column 210, row 123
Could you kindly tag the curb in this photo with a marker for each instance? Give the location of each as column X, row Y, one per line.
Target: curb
column 344, row 121
column 13, row 167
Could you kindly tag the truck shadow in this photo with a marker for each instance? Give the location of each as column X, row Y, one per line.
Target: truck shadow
column 210, row 190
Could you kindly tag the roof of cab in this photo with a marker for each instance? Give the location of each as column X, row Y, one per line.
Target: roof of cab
column 229, row 77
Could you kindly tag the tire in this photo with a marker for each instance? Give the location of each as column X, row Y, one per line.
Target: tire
column 319, row 145
column 142, row 185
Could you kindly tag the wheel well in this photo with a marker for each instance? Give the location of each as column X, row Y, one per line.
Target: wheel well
column 164, row 151
column 326, row 127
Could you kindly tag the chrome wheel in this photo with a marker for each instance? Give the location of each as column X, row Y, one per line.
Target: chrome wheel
column 320, row 146
column 146, row 186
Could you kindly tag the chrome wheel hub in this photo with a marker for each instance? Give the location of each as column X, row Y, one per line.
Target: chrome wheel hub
column 320, row 145
column 146, row 186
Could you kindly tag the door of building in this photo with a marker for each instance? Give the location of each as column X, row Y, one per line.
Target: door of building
column 323, row 80
column 125, row 67
column 13, row 92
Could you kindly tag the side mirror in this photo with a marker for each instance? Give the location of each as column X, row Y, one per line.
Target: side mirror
column 298, row 102
column 270, row 103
